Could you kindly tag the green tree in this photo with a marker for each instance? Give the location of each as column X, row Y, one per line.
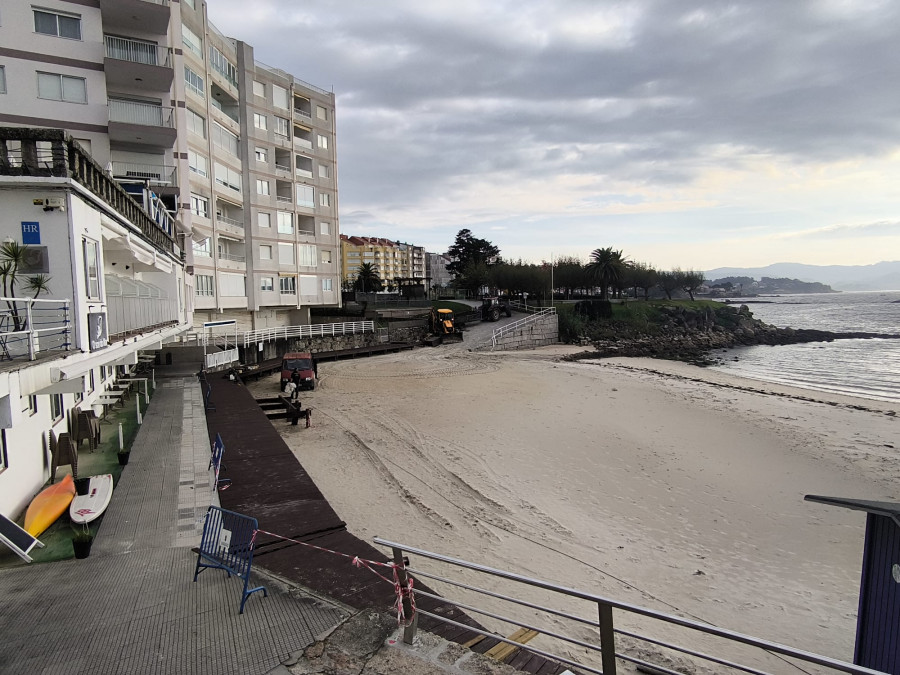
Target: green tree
column 690, row 281
column 569, row 274
column 670, row 281
column 367, row 278
column 12, row 257
column 606, row 267
column 643, row 276
column 470, row 250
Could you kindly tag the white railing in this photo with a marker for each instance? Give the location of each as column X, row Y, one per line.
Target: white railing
column 135, row 51
column 521, row 323
column 282, row 198
column 222, row 358
column 147, row 114
column 282, row 167
column 29, row 326
column 302, row 113
column 153, row 173
column 129, row 314
column 232, row 257
column 230, row 221
column 588, row 639
column 310, row 330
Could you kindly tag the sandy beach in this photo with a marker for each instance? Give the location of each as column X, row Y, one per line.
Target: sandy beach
column 654, row 483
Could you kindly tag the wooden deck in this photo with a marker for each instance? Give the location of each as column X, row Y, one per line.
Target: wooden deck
column 269, row 484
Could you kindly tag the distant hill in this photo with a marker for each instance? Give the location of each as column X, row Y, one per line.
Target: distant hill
column 883, row 276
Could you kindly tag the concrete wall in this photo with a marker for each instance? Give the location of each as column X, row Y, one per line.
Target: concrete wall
column 540, row 332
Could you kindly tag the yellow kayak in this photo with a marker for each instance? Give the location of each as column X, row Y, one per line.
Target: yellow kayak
column 49, row 505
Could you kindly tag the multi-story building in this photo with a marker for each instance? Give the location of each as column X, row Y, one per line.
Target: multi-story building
column 242, row 155
column 393, row 260
column 436, row 270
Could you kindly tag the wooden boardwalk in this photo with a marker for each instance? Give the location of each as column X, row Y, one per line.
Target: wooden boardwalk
column 269, row 484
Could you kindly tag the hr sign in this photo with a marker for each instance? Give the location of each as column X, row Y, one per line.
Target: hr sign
column 31, row 232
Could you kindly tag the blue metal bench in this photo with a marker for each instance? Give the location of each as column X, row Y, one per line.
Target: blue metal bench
column 227, row 544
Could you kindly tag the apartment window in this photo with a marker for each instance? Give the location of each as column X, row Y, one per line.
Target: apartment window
column 223, row 138
column 219, row 63
column 202, row 248
column 259, row 121
column 204, row 285
column 287, row 285
column 262, row 155
column 259, row 89
column 56, row 87
column 266, row 284
column 262, row 187
column 199, row 206
column 326, row 257
column 194, row 82
column 264, row 219
column 282, row 126
column 195, row 123
column 190, row 40
column 2, row 79
column 198, row 163
column 232, row 285
column 228, row 177
column 91, row 270
column 280, row 97
column 58, row 25
column 265, row 252
column 306, row 255
column 285, row 222
column 321, row 112
column 325, row 228
column 323, row 141
column 324, row 171
column 326, row 284
column 324, row 199
column 285, row 254
column 30, row 405
column 305, row 195
column 56, row 406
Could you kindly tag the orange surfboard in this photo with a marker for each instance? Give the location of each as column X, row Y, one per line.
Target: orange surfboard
column 49, row 505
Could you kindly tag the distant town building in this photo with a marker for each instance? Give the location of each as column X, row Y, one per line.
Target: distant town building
column 393, row 260
column 436, row 270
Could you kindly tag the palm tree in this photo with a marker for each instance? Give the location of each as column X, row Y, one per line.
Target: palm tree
column 12, row 256
column 606, row 267
column 367, row 278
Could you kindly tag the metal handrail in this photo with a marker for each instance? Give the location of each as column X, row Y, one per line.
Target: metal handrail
column 26, row 322
column 154, row 173
column 516, row 325
column 230, row 221
column 135, row 51
column 147, row 114
column 308, row 330
column 605, row 605
column 232, row 257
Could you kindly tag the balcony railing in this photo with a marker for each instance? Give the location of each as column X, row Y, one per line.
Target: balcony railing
column 302, row 142
column 230, row 221
column 134, row 306
column 147, row 114
column 282, row 167
column 280, row 198
column 51, row 152
column 135, row 51
column 29, row 326
column 152, row 173
column 232, row 257
column 302, row 113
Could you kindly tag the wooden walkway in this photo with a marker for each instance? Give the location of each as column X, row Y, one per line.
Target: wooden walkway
column 269, row 484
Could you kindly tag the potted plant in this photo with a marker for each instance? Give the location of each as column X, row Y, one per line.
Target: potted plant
column 123, row 457
column 82, row 485
column 81, row 542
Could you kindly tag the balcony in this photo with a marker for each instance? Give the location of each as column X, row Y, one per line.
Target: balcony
column 304, row 166
column 303, row 138
column 134, row 306
column 132, row 123
column 145, row 16
column 152, row 174
column 135, row 63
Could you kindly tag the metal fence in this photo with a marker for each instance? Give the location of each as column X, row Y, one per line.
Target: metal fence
column 593, row 634
column 29, row 326
column 147, row 114
column 136, row 51
column 310, row 330
column 521, row 323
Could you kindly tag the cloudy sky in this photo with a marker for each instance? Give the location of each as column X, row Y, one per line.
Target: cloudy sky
column 687, row 133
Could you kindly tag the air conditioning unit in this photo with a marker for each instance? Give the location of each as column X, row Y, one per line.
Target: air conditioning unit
column 55, row 202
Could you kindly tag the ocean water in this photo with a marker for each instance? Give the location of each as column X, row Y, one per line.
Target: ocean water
column 862, row 368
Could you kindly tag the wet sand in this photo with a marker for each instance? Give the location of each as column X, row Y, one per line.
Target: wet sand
column 654, row 483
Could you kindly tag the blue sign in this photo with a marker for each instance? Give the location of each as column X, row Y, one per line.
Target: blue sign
column 31, row 233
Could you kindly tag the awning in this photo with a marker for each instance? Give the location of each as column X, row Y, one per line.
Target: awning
column 73, row 386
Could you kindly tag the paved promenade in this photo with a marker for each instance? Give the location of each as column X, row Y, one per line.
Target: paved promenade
column 131, row 607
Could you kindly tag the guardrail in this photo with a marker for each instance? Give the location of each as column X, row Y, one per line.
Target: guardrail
column 216, row 359
column 310, row 330
column 146, row 114
column 134, row 51
column 601, row 629
column 29, row 326
column 517, row 325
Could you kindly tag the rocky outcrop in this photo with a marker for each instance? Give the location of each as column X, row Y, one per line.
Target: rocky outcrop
column 691, row 335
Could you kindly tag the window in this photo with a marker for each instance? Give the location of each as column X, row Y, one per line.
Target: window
column 282, row 126
column 323, row 141
column 204, row 285
column 285, row 222
column 324, row 199
column 285, row 254
column 59, row 25
column 219, row 63
column 189, row 3
column 287, row 285
column 262, row 187
column 195, row 123
column 325, row 228
column 62, row 88
column 190, row 40
column 326, row 257
column 223, row 138
column 280, row 97
column 30, row 405
column 194, row 82
column 259, row 89
column 305, row 196
column 56, row 406
column 2, row 79
column 265, row 252
column 199, row 206
column 91, row 271
column 259, row 121
column 306, row 255
column 324, row 171
column 232, row 285
column 321, row 112
column 202, row 248
column 326, row 284
column 262, row 155
column 264, row 219
column 198, row 163
column 228, row 177
column 266, row 284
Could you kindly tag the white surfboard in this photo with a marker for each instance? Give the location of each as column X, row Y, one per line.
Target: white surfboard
column 88, row 507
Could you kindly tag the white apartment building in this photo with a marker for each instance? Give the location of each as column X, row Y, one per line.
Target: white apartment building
column 242, row 155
